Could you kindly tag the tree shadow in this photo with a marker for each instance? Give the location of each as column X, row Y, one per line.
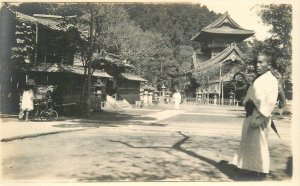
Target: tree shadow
column 230, row 170
column 109, row 119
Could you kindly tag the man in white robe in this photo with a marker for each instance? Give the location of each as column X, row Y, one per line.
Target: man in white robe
column 253, row 153
column 177, row 99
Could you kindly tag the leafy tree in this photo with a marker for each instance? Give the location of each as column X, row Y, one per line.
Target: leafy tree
column 279, row 44
column 177, row 23
column 24, row 47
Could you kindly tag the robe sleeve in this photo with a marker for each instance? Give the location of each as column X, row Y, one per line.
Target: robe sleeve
column 246, row 98
column 259, row 119
column 265, row 92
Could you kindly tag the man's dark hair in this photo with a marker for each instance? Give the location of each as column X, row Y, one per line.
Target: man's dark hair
column 269, row 58
column 28, row 87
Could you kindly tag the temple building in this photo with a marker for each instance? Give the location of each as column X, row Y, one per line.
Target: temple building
column 220, row 57
column 44, row 49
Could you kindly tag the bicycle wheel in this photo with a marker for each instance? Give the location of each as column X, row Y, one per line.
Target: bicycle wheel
column 52, row 115
column 44, row 115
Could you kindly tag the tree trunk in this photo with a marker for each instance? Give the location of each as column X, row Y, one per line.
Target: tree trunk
column 83, row 95
column 87, row 101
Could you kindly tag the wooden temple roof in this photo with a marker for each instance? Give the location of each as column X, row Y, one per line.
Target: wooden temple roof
column 112, row 59
column 224, row 25
column 132, row 77
column 48, row 21
column 55, row 68
column 211, row 67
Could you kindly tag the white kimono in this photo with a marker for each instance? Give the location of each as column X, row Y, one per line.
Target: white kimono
column 177, row 99
column 253, row 153
column 27, row 100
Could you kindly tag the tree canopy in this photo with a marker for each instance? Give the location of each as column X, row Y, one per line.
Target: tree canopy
column 279, row 45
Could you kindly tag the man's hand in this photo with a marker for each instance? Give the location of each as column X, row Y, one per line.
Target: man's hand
column 249, row 107
column 260, row 121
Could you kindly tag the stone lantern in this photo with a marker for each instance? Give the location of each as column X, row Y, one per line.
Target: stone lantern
column 198, row 96
column 163, row 89
column 150, row 94
column 215, row 96
column 145, row 95
column 231, row 97
column 98, row 94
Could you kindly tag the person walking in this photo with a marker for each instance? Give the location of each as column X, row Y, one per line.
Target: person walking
column 177, row 99
column 253, row 157
column 27, row 100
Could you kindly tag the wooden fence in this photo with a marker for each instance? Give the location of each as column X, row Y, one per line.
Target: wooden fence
column 211, row 101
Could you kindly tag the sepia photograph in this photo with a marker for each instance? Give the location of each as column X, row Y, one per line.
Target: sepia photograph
column 132, row 92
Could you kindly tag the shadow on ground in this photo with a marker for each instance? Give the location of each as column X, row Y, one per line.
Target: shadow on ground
column 230, row 170
column 109, row 119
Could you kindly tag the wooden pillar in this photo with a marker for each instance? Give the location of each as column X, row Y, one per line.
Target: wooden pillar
column 36, row 42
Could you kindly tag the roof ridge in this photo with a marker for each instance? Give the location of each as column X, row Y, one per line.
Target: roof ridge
column 219, row 27
column 221, row 19
column 215, row 22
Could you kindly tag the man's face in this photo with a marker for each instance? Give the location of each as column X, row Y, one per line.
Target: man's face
column 262, row 65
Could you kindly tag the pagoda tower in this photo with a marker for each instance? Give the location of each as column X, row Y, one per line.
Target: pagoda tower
column 216, row 36
column 220, row 57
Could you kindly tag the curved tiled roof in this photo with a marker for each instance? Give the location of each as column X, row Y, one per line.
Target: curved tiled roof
column 211, row 67
column 223, row 25
column 112, row 59
column 49, row 23
column 54, row 67
column 132, row 77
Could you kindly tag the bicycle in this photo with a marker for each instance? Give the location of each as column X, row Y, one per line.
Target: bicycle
column 44, row 112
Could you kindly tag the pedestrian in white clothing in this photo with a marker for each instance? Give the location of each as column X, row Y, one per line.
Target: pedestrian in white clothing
column 177, row 99
column 253, row 153
column 27, row 100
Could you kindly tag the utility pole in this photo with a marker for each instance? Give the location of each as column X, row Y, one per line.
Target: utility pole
column 87, row 113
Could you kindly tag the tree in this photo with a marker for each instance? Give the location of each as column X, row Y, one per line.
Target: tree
column 279, row 44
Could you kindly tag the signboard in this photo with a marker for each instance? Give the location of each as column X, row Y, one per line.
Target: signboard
column 99, row 83
column 42, row 89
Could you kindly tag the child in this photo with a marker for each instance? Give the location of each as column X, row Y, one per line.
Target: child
column 27, row 100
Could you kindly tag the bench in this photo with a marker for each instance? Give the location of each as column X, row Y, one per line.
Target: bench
column 66, row 108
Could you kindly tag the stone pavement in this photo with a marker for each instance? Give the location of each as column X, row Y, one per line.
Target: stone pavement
column 11, row 128
column 161, row 144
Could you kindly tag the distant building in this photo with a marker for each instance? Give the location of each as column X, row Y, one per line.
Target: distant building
column 220, row 57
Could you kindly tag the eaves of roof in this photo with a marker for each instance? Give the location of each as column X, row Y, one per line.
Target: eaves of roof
column 55, row 68
column 49, row 23
column 228, row 30
column 111, row 59
column 132, row 77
